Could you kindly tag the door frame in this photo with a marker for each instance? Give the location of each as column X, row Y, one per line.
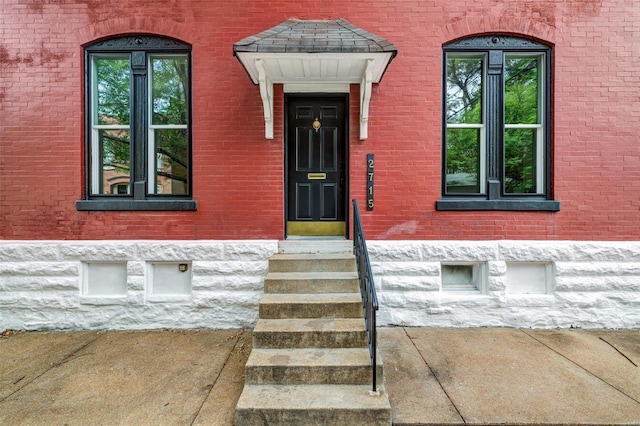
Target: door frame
column 344, row 97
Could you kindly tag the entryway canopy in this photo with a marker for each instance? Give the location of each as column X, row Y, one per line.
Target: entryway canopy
column 315, row 56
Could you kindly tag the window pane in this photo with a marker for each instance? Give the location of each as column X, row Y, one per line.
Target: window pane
column 463, row 160
column 169, row 90
column 171, row 162
column 459, row 278
column 522, row 89
column 520, row 161
column 112, row 90
column 464, row 89
column 113, row 164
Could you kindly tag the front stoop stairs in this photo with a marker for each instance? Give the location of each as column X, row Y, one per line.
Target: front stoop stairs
column 310, row 361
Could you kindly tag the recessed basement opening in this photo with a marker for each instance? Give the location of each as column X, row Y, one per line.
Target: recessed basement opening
column 463, row 277
column 104, row 279
column 169, row 279
column 529, row 278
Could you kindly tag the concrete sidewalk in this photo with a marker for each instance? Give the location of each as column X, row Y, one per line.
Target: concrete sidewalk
column 508, row 376
column 433, row 376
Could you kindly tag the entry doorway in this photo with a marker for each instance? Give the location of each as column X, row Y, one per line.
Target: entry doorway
column 316, row 175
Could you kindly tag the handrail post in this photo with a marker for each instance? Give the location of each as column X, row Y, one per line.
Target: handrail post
column 367, row 290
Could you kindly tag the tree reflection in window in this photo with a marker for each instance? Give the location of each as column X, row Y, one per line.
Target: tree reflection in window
column 168, row 130
column 112, row 111
column 523, row 123
column 465, row 129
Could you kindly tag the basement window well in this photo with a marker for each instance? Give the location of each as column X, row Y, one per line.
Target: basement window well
column 463, row 278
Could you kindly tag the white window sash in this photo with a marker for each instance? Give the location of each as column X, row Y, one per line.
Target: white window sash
column 482, row 174
column 540, row 153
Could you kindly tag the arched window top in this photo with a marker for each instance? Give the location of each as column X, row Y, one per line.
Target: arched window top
column 495, row 42
column 138, row 42
column 497, row 139
column 138, row 116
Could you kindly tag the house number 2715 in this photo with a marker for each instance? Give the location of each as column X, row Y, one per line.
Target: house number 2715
column 370, row 174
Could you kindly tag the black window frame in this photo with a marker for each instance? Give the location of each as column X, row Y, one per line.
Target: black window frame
column 139, row 47
column 494, row 47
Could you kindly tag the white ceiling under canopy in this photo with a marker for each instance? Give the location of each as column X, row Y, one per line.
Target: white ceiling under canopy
column 315, row 56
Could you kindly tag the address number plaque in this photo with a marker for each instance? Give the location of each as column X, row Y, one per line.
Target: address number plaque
column 370, row 175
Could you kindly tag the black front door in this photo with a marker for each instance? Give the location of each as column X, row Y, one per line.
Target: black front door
column 316, row 165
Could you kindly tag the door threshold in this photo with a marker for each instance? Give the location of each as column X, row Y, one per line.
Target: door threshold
column 316, row 228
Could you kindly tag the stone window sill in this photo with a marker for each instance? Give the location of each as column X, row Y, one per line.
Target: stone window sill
column 103, row 300
column 136, row 205
column 502, row 204
column 181, row 299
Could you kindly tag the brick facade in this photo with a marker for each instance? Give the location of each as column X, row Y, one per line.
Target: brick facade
column 238, row 175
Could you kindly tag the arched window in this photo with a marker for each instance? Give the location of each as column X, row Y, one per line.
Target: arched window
column 138, row 121
column 497, row 125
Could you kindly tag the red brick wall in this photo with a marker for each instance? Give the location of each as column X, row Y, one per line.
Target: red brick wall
column 238, row 175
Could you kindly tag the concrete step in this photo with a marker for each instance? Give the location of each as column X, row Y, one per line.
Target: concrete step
column 324, row 305
column 310, row 360
column 315, row 245
column 310, row 333
column 311, row 282
column 336, row 405
column 345, row 366
column 329, row 262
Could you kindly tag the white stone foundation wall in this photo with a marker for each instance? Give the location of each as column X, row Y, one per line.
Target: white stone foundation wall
column 588, row 284
column 136, row 284
column 43, row 284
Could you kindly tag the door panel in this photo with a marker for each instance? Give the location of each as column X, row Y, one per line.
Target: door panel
column 304, row 205
column 329, row 201
column 329, row 150
column 316, row 161
column 304, row 149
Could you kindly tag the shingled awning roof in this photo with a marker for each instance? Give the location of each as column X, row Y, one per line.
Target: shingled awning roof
column 315, row 56
column 296, row 36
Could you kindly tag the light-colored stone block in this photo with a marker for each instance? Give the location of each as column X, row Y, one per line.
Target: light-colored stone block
column 408, row 268
column 39, row 283
column 394, row 250
column 29, row 251
column 231, row 268
column 538, row 251
column 250, row 250
column 29, row 268
column 409, row 283
column 595, row 251
column 92, row 250
column 460, row 251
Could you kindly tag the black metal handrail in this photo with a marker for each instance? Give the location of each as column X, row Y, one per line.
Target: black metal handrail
column 367, row 288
